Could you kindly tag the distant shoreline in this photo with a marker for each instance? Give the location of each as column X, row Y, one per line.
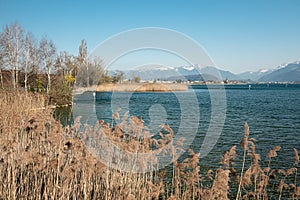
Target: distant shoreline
column 142, row 87
column 158, row 87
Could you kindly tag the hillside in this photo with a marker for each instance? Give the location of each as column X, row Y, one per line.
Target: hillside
column 288, row 73
column 181, row 73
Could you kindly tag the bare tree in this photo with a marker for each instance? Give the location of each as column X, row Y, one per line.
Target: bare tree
column 47, row 53
column 13, row 44
column 35, row 68
column 1, row 62
column 60, row 63
column 83, row 64
column 94, row 73
column 30, row 58
column 66, row 64
column 70, row 64
column 72, row 69
column 96, row 70
column 119, row 76
column 136, row 79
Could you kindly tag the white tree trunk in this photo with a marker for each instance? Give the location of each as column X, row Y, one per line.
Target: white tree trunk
column 26, row 71
column 17, row 62
column 49, row 80
column 87, row 76
column 1, row 77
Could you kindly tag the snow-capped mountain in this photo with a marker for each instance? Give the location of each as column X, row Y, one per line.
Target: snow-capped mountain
column 184, row 73
column 255, row 76
column 276, row 74
column 152, row 72
column 146, row 68
column 289, row 72
column 286, row 73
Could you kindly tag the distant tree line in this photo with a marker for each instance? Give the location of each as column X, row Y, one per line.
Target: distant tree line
column 32, row 62
column 29, row 64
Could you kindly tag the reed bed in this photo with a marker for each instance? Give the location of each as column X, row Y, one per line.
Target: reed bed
column 142, row 87
column 40, row 159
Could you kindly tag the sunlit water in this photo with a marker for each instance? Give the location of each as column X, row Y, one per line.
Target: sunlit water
column 272, row 112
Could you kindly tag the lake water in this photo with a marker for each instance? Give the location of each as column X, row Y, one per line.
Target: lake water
column 271, row 110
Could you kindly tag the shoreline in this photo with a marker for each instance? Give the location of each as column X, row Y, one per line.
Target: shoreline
column 142, row 87
column 132, row 87
column 158, row 87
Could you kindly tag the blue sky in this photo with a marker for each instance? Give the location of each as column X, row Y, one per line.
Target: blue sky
column 239, row 35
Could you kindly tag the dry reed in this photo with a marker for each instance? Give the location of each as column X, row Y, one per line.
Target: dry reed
column 142, row 87
column 39, row 159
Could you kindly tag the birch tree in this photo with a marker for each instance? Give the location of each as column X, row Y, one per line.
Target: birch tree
column 30, row 58
column 1, row 62
column 47, row 52
column 13, row 44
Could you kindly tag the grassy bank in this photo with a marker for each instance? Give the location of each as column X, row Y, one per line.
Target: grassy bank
column 39, row 159
column 142, row 87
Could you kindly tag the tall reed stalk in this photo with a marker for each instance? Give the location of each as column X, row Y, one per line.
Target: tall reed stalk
column 244, row 144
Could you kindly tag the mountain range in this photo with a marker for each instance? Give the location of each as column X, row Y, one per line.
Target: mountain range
column 289, row 72
column 286, row 73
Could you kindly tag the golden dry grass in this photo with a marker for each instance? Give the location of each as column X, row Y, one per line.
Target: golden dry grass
column 39, row 159
column 142, row 87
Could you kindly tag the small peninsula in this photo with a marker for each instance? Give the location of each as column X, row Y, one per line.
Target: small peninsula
column 141, row 87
